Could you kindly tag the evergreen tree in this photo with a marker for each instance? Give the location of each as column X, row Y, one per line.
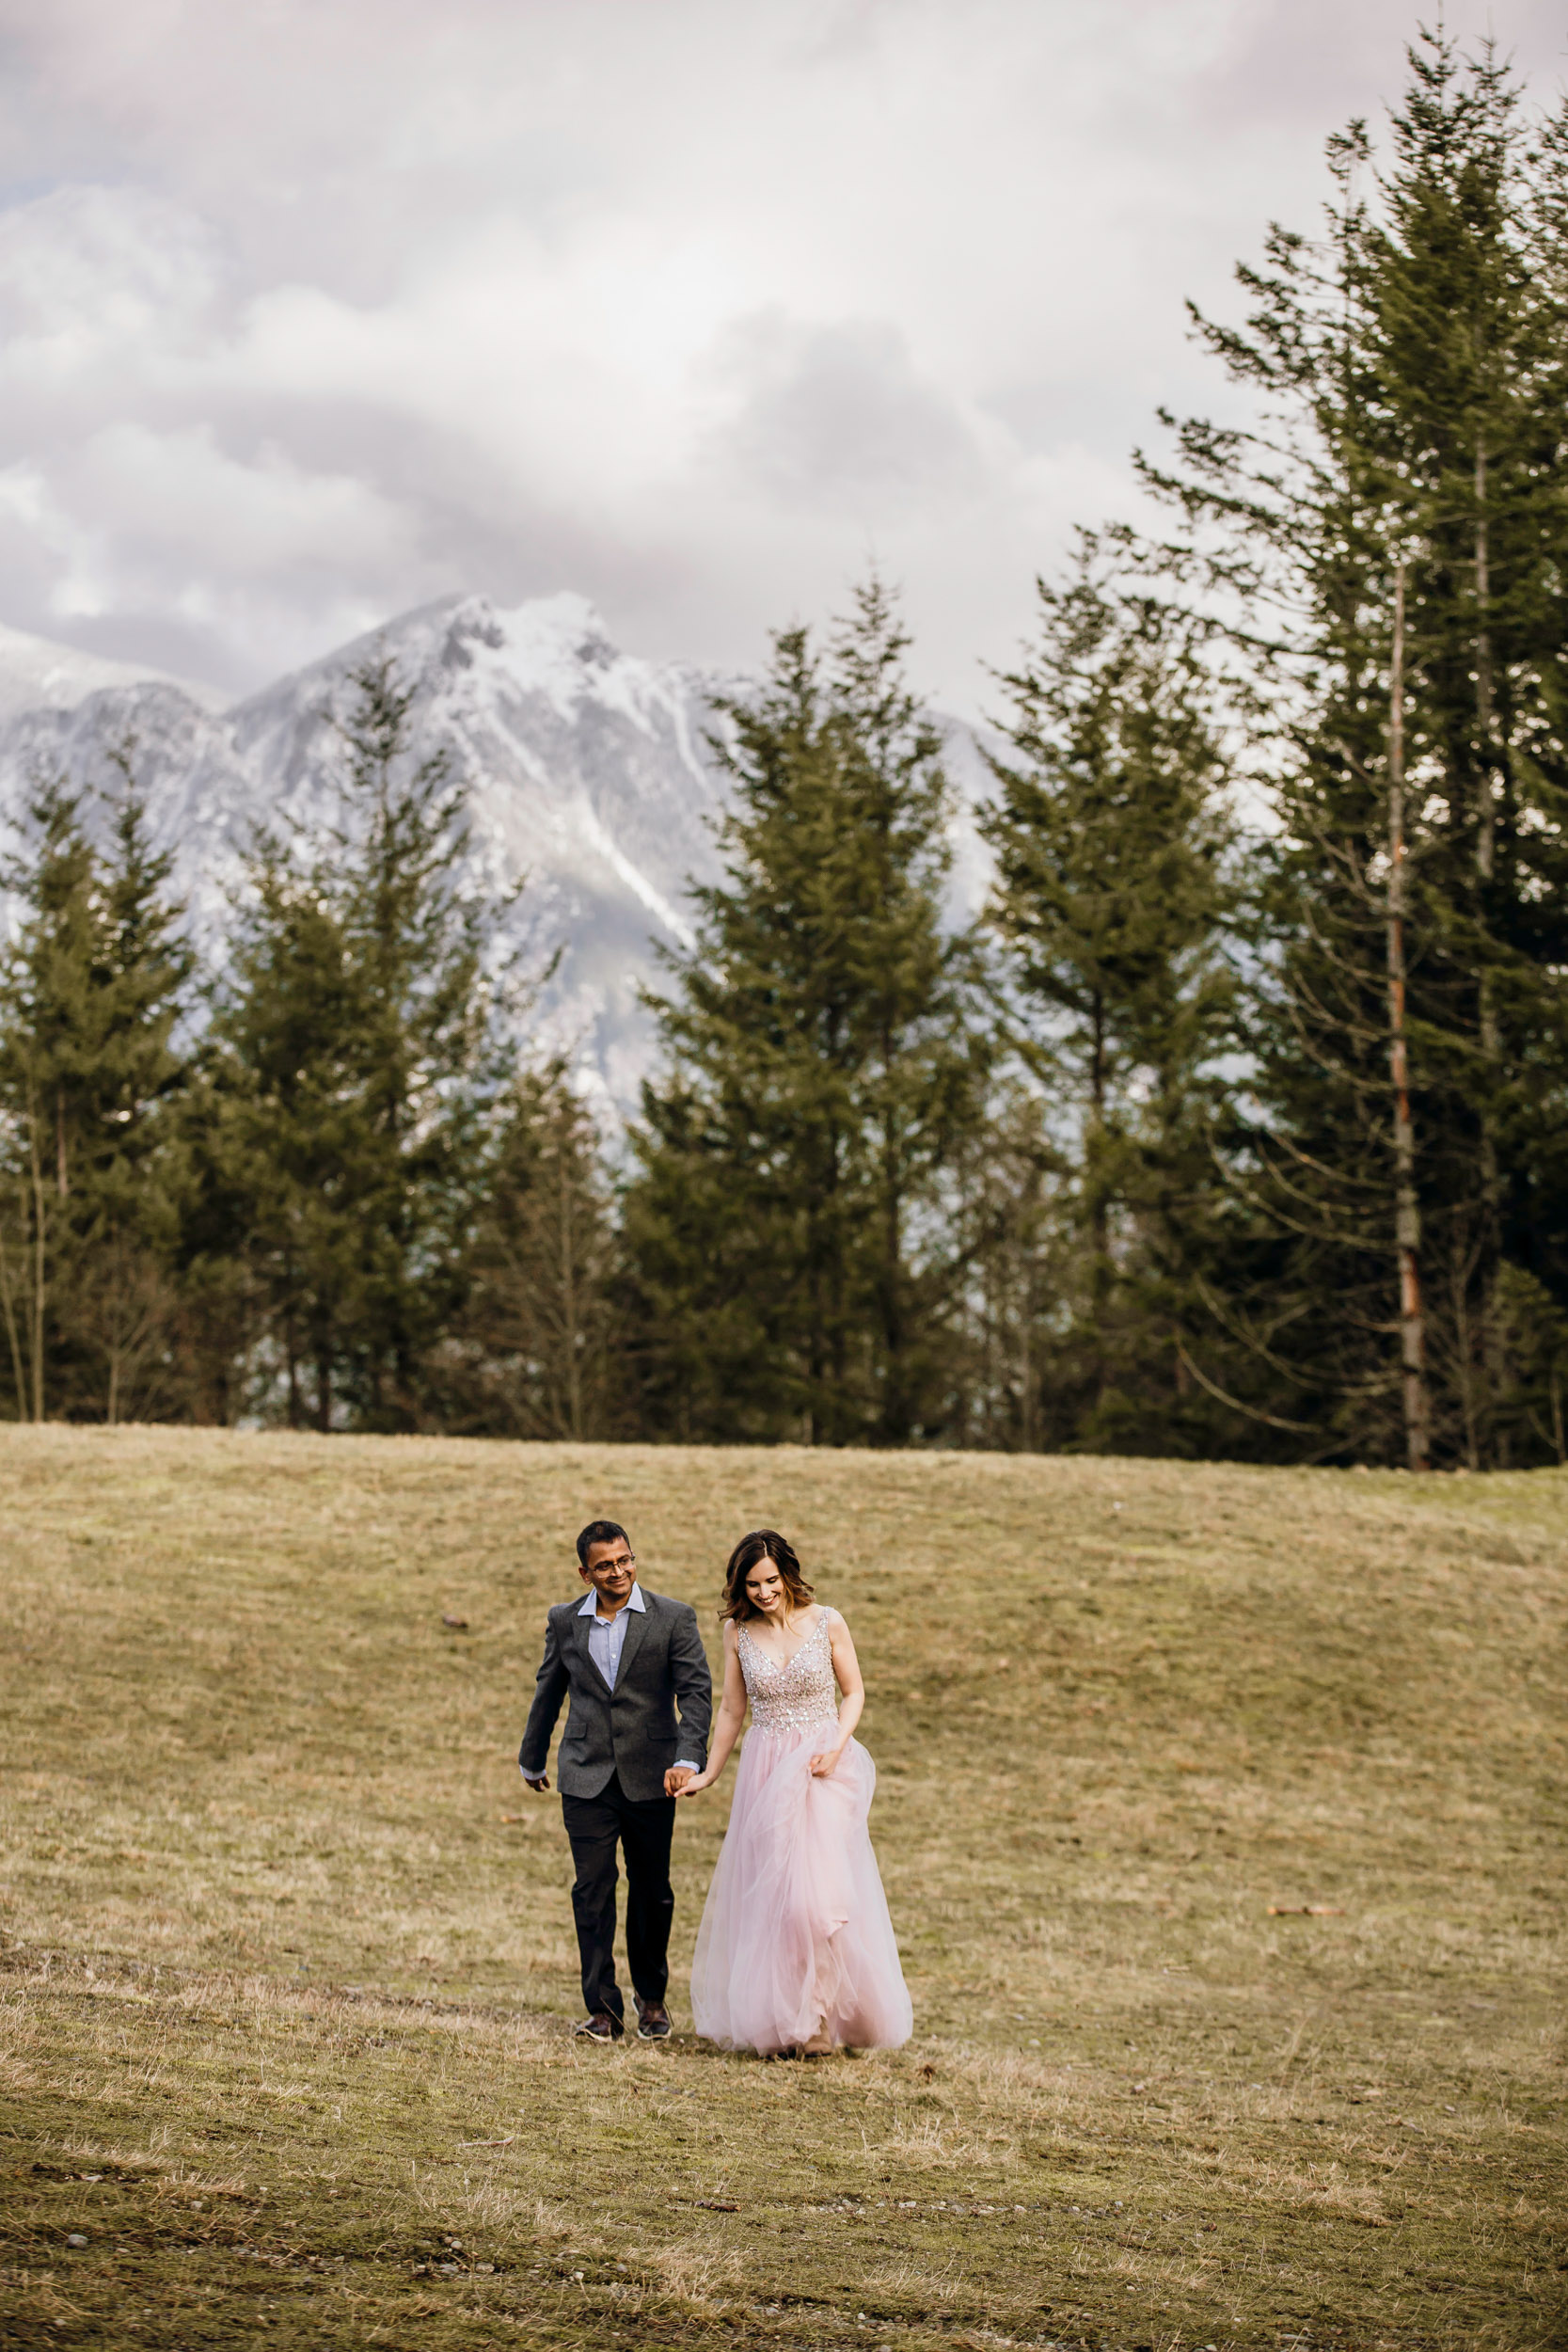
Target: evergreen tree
column 534, row 1350
column 360, row 1062
column 1111, row 836
column 785, row 1225
column 91, row 995
column 1386, row 541
column 1018, row 1235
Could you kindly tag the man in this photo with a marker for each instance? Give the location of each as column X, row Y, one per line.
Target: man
column 629, row 1660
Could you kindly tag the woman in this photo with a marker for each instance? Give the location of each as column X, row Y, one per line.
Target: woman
column 796, row 1949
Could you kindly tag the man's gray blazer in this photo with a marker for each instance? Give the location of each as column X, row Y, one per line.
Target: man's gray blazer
column 630, row 1730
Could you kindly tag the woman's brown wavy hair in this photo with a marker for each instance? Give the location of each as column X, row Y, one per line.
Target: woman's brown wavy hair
column 761, row 1544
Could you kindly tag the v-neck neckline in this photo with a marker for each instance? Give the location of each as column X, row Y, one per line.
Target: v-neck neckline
column 779, row 1664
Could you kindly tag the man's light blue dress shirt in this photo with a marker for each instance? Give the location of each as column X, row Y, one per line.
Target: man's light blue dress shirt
column 607, row 1638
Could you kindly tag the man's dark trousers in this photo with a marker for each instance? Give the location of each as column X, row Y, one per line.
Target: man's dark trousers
column 595, row 1825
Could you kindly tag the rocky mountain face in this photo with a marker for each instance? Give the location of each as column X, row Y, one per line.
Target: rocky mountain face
column 589, row 775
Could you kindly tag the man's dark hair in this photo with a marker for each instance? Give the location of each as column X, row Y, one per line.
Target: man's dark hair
column 600, row 1532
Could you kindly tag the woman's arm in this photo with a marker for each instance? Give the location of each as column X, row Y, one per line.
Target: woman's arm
column 732, row 1714
column 847, row 1672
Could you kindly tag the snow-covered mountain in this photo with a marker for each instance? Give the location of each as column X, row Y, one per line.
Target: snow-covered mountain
column 588, row 770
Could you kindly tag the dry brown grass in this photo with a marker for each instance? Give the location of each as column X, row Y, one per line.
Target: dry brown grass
column 277, row 1971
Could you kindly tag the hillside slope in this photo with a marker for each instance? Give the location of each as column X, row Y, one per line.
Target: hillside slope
column 1220, row 1811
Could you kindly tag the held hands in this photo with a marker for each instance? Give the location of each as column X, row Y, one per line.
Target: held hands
column 691, row 1784
column 678, row 1781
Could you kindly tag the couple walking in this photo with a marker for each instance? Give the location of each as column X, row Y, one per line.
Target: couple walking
column 796, row 1951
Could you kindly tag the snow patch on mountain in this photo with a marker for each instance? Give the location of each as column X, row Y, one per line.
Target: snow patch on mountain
column 587, row 772
column 590, row 776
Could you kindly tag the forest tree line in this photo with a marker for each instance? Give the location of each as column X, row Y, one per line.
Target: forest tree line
column 1237, row 1126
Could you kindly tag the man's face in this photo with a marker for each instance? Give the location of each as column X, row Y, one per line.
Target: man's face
column 611, row 1570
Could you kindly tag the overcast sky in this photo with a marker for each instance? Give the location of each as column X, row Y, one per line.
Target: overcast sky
column 313, row 309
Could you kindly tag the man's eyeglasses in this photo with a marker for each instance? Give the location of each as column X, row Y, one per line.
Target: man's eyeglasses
column 626, row 1560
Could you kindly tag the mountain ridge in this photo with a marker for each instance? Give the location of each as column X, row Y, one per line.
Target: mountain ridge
column 41, row 674
column 589, row 773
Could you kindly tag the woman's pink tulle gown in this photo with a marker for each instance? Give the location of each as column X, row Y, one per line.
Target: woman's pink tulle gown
column 796, row 1941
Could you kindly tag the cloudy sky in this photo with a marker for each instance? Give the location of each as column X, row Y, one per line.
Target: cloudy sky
column 313, row 309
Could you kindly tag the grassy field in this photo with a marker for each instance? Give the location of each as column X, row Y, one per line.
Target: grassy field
column 1221, row 1817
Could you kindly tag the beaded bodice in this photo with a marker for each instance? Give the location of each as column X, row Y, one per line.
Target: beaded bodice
column 796, row 1695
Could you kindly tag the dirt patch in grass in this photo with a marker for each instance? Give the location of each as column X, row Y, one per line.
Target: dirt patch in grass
column 1221, row 1817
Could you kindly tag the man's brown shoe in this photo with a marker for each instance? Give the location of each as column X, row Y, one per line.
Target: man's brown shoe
column 652, row 2020
column 602, row 2027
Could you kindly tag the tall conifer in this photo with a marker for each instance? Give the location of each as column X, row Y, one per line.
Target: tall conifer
column 1111, row 834
column 785, row 1222
column 1383, row 542
column 535, row 1349
column 91, row 995
column 360, row 1063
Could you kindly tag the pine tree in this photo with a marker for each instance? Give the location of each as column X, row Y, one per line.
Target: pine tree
column 1017, row 1237
column 534, row 1350
column 1384, row 538
column 922, row 1074
column 1471, row 364
column 361, row 1058
column 1111, row 837
column 90, row 996
column 785, row 1224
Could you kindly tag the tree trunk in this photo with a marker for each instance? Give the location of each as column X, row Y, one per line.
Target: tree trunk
column 12, row 1333
column 1486, row 1010
column 896, row 1415
column 1407, row 1222
column 1468, row 1369
column 824, row 1292
column 290, row 1347
column 41, row 1256
column 1027, row 1425
column 569, row 1311
column 841, row 1428
column 1100, row 1207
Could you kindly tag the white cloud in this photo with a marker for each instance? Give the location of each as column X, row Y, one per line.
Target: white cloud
column 242, row 516
column 94, row 280
column 840, row 417
column 316, row 309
